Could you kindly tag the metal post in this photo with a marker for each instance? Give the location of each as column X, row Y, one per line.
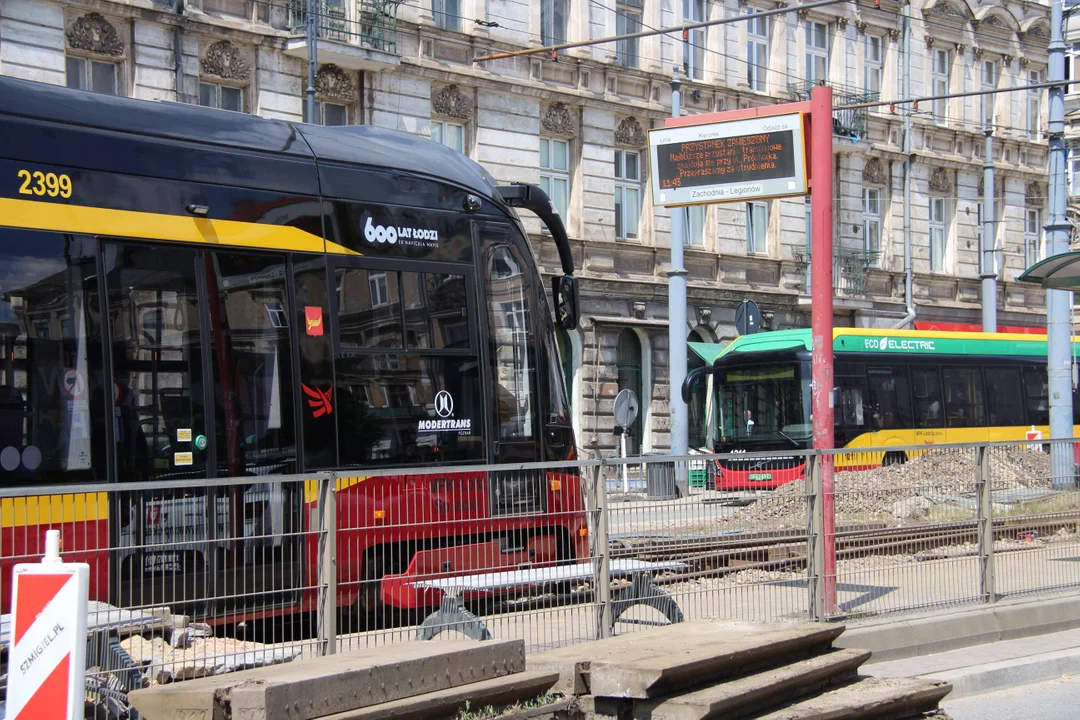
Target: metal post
column 821, row 318
column 986, row 524
column 909, row 299
column 680, row 434
column 603, row 552
column 815, row 538
column 1058, row 310
column 326, row 508
column 312, row 57
column 986, row 240
column 625, row 466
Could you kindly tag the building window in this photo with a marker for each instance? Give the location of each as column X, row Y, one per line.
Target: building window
column 628, row 366
column 757, row 53
column 450, row 134
column 628, row 21
column 1034, row 104
column 328, row 113
column 695, row 226
column 221, row 97
column 1074, row 174
column 871, row 199
column 555, row 171
column 447, row 14
column 1072, row 69
column 627, row 194
column 379, row 289
column 694, row 63
column 85, row 74
column 552, row 22
column 817, row 52
column 757, row 228
column 938, row 238
column 1032, row 236
column 989, row 82
column 873, row 62
column 940, row 82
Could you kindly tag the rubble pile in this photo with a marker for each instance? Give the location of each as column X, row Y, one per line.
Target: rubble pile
column 200, row 657
column 904, row 492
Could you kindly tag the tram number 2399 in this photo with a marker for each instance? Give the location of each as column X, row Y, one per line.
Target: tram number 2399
column 41, row 183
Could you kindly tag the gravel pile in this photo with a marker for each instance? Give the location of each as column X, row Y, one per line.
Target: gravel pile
column 905, row 492
column 203, row 657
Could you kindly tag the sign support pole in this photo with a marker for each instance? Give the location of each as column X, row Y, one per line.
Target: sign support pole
column 821, row 319
column 680, row 431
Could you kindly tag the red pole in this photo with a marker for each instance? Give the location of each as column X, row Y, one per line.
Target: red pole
column 821, row 318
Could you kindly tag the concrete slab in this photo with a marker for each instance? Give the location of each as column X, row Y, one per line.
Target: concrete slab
column 758, row 691
column 315, row 687
column 897, row 639
column 448, row 703
column 656, row 662
column 876, row 698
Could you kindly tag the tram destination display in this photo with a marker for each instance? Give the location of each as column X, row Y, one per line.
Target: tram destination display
column 726, row 161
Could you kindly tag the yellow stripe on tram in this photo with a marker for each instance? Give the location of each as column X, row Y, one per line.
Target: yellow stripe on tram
column 33, row 215
column 311, row 487
column 53, row 509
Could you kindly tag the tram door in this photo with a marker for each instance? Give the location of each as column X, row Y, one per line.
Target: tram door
column 202, row 390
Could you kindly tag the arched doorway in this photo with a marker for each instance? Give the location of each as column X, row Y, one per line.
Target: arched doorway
column 630, row 378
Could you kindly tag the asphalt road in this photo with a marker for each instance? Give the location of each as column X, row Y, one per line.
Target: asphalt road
column 1051, row 700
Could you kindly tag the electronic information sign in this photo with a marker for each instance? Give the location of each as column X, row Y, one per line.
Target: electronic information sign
column 735, row 160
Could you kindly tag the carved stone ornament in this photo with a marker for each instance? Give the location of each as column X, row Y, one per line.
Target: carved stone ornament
column 638, row 310
column 893, row 34
column 981, row 190
column 961, row 48
column 860, row 26
column 995, row 22
column 1024, row 62
column 744, row 3
column 940, row 182
column 223, row 59
column 331, row 81
column 95, row 34
column 944, row 8
column 780, row 5
column 451, row 102
column 803, row 13
column 977, row 52
column 1006, row 60
column 558, row 120
column 629, row 132
column 873, row 172
column 1038, row 31
column 929, row 41
column 1033, row 196
column 842, row 23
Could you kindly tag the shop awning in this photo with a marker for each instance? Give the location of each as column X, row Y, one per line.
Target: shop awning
column 1059, row 272
column 707, row 351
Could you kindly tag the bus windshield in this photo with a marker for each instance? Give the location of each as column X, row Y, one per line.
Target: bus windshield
column 764, row 402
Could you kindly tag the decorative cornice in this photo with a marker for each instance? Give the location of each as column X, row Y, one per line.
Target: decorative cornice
column 874, row 172
column 630, row 133
column 333, row 82
column 223, row 60
column 558, row 120
column 944, row 8
column 451, row 102
column 940, row 182
column 93, row 33
column 1038, row 32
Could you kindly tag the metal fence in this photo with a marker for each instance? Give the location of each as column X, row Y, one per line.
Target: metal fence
column 191, row 578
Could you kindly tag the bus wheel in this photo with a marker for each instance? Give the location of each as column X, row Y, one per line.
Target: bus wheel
column 894, row 458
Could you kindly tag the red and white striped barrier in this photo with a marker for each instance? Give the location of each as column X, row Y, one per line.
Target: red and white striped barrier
column 47, row 655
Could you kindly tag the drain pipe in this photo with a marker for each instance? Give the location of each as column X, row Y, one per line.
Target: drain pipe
column 908, row 299
column 178, row 51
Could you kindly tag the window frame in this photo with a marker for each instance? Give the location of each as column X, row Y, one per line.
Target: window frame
column 753, row 227
column 872, row 218
column 1033, row 241
column 628, row 17
column 443, row 124
column 815, row 52
column 320, row 111
column 987, row 103
column 87, row 73
column 873, row 67
column 757, row 53
column 554, row 174
column 623, row 185
column 218, row 87
column 940, row 226
column 694, row 228
column 1033, row 105
column 447, row 14
column 939, row 83
column 551, row 31
column 695, row 11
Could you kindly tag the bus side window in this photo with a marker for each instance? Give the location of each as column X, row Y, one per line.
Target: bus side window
column 853, row 413
column 927, row 390
column 1004, row 402
column 963, row 397
column 1037, row 396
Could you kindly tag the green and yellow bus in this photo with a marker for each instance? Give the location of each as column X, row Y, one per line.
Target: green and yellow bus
column 893, row 388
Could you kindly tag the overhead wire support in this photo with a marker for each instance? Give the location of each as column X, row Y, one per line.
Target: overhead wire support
column 554, row 49
column 947, row 96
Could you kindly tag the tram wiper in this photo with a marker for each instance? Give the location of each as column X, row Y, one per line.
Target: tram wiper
column 787, row 437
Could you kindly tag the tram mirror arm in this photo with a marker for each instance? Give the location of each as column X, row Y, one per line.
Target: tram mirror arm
column 565, row 288
column 691, row 378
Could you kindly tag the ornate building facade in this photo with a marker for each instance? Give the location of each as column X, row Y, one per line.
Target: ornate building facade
column 576, row 122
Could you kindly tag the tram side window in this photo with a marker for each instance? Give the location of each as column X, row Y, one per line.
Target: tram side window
column 890, row 398
column 52, row 404
column 407, row 377
column 1036, row 396
column 963, row 397
column 926, row 387
column 513, row 352
column 851, row 408
column 253, row 367
column 1004, row 401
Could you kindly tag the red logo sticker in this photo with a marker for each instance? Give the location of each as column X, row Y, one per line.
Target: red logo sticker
column 319, row 400
column 313, row 315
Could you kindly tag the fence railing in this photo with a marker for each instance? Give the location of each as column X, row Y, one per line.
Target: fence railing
column 191, row 578
column 846, row 123
column 372, row 23
column 851, row 269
